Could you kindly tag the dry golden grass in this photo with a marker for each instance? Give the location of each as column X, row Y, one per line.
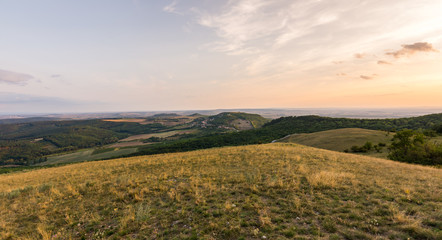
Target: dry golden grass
column 276, row 191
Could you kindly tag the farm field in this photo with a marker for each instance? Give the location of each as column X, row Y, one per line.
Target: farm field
column 266, row 191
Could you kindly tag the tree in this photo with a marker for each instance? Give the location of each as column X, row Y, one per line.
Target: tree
column 413, row 147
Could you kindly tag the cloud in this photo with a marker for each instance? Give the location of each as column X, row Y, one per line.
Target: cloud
column 411, row 49
column 55, row 75
column 360, row 55
column 14, row 78
column 263, row 35
column 171, row 8
column 259, row 24
column 365, row 77
column 380, row 62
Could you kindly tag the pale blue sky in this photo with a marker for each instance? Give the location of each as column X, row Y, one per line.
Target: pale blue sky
column 123, row 55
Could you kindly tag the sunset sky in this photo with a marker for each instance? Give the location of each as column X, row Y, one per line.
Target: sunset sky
column 135, row 55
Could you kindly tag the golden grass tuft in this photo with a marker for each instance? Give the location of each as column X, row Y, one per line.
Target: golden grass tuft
column 330, row 179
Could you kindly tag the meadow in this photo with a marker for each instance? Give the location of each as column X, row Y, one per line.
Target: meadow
column 342, row 139
column 267, row 191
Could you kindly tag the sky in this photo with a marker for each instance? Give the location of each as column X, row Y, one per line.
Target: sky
column 152, row 55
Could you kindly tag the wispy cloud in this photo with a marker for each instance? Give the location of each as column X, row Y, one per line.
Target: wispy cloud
column 365, row 77
column 14, row 77
column 260, row 23
column 286, row 37
column 410, row 49
column 360, row 55
column 171, row 8
column 380, row 62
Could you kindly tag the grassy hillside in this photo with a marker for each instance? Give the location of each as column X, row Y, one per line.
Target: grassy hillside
column 85, row 155
column 272, row 191
column 341, row 139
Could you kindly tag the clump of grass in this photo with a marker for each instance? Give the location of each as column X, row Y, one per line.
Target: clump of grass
column 276, row 191
column 325, row 179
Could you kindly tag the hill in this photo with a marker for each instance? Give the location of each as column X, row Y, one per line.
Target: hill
column 234, row 121
column 282, row 127
column 272, row 191
column 341, row 139
column 29, row 143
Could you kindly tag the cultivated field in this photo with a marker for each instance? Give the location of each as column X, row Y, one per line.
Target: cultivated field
column 271, row 191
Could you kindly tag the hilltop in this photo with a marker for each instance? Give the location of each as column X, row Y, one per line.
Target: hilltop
column 234, row 121
column 272, row 191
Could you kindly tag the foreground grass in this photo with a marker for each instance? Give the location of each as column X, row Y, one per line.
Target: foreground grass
column 272, row 191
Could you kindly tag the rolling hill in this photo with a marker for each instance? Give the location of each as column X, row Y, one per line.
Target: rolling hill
column 30, row 142
column 341, row 139
column 281, row 127
column 267, row 191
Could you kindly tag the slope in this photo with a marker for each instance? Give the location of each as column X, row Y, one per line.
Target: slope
column 340, row 139
column 273, row 191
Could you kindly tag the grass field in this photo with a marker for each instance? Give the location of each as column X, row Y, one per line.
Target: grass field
column 341, row 139
column 437, row 140
column 85, row 155
column 272, row 191
column 160, row 135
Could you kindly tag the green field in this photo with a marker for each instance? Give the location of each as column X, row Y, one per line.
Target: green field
column 159, row 135
column 437, row 140
column 85, row 155
column 266, row 191
column 341, row 139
